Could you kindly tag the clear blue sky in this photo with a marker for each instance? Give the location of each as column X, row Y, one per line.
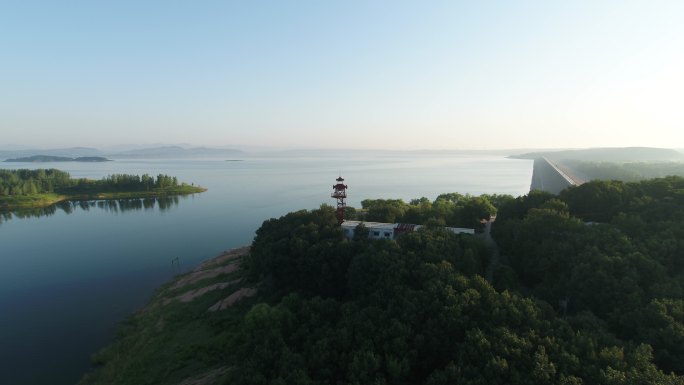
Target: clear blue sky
column 350, row 74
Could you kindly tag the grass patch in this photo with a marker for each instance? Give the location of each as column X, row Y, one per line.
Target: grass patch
column 168, row 343
column 30, row 201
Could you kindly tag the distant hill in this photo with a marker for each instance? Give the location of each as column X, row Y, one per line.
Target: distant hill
column 49, row 158
column 161, row 152
column 615, row 155
column 71, row 152
column 176, row 152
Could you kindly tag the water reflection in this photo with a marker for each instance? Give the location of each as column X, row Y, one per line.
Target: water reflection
column 110, row 205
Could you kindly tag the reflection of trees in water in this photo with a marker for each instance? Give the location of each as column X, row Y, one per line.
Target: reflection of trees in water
column 66, row 206
column 28, row 213
column 110, row 205
column 168, row 202
column 148, row 203
column 83, row 205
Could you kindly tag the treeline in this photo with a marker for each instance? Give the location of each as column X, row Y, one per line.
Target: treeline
column 626, row 172
column 451, row 209
column 608, row 253
column 305, row 251
column 125, row 182
column 26, row 182
column 417, row 310
column 29, row 182
column 589, row 289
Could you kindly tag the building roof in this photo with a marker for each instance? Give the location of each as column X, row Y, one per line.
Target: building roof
column 406, row 227
column 400, row 227
column 369, row 225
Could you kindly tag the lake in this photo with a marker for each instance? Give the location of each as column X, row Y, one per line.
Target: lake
column 70, row 273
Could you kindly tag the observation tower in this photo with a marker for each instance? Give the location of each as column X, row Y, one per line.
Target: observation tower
column 340, row 193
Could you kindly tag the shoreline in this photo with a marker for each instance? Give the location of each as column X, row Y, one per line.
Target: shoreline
column 38, row 201
column 208, row 291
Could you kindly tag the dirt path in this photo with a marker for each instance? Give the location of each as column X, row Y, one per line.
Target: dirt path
column 214, row 267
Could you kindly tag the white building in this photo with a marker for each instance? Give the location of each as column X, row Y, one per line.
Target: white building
column 379, row 230
column 376, row 230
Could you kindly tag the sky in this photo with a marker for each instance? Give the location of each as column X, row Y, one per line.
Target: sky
column 343, row 74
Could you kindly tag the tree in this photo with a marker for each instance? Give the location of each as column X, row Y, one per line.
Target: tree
column 360, row 232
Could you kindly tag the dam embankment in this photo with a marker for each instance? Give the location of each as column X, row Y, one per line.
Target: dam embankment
column 548, row 177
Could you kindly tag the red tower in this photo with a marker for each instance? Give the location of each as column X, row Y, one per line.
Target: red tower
column 340, row 193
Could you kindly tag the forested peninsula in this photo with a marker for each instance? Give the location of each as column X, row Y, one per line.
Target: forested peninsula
column 584, row 287
column 21, row 189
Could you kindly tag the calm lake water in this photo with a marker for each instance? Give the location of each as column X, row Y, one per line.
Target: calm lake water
column 68, row 277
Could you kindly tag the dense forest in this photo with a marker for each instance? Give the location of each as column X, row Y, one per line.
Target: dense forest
column 27, row 182
column 626, row 172
column 451, row 209
column 585, row 287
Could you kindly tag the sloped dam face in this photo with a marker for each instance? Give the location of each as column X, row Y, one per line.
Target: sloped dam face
column 547, row 177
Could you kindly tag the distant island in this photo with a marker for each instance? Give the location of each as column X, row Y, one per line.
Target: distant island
column 23, row 189
column 50, row 158
column 160, row 152
column 177, row 152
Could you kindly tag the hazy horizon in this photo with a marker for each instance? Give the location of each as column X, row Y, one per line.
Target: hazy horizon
column 383, row 75
column 113, row 149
